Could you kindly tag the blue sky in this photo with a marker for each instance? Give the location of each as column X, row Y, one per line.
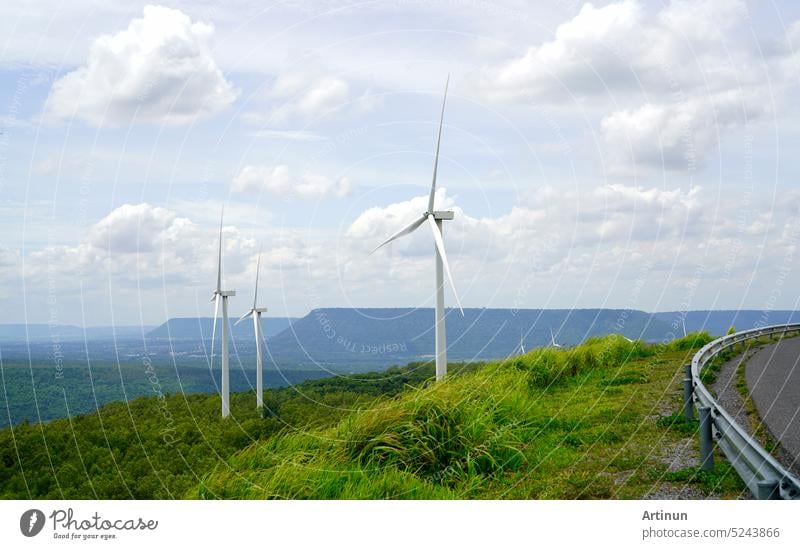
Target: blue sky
column 615, row 154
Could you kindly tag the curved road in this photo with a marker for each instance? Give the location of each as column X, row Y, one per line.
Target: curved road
column 773, row 378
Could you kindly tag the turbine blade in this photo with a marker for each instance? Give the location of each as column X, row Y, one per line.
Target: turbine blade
column 219, row 258
column 437, row 237
column 214, row 328
column 552, row 337
column 246, row 315
column 438, row 143
column 258, row 267
column 410, row 228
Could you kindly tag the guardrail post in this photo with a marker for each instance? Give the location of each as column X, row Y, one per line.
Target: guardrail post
column 706, row 441
column 687, row 368
column 768, row 489
column 688, row 405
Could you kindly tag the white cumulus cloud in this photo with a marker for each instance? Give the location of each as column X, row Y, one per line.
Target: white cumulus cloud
column 664, row 84
column 675, row 136
column 608, row 214
column 308, row 92
column 278, row 181
column 143, row 243
column 621, row 47
column 132, row 228
column 159, row 70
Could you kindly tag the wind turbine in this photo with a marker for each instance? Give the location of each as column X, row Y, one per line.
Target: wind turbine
column 434, row 220
column 553, row 340
column 521, row 343
column 683, row 323
column 255, row 312
column 222, row 295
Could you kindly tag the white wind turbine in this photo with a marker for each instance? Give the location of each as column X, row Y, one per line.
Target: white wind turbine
column 434, row 221
column 683, row 323
column 553, row 340
column 222, row 295
column 521, row 343
column 255, row 312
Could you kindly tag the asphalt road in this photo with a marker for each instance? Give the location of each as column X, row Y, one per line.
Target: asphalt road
column 773, row 377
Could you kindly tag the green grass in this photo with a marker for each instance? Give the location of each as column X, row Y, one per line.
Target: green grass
column 678, row 422
column 574, row 423
column 723, row 478
column 594, row 421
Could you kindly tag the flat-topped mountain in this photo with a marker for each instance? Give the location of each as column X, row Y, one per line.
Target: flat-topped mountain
column 718, row 322
column 201, row 328
column 391, row 336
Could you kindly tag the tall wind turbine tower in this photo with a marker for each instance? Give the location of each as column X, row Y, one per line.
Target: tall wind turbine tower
column 255, row 312
column 222, row 295
column 434, row 220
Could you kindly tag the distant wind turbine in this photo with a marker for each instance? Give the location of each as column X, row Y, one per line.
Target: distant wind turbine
column 521, row 343
column 434, row 220
column 683, row 323
column 222, row 295
column 255, row 312
column 553, row 340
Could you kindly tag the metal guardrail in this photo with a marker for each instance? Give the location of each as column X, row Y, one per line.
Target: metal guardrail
column 763, row 475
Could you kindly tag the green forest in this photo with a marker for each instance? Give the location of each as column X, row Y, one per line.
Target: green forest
column 581, row 422
column 41, row 392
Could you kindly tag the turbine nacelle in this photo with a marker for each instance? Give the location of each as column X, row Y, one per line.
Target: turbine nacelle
column 444, row 215
column 223, row 293
column 250, row 313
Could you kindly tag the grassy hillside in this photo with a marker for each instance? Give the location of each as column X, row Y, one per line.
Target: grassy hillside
column 595, row 421
column 152, row 447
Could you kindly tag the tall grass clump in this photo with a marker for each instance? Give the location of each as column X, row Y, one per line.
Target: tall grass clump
column 548, row 367
column 442, row 435
column 692, row 341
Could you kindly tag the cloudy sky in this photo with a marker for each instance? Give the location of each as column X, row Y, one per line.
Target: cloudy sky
column 632, row 154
